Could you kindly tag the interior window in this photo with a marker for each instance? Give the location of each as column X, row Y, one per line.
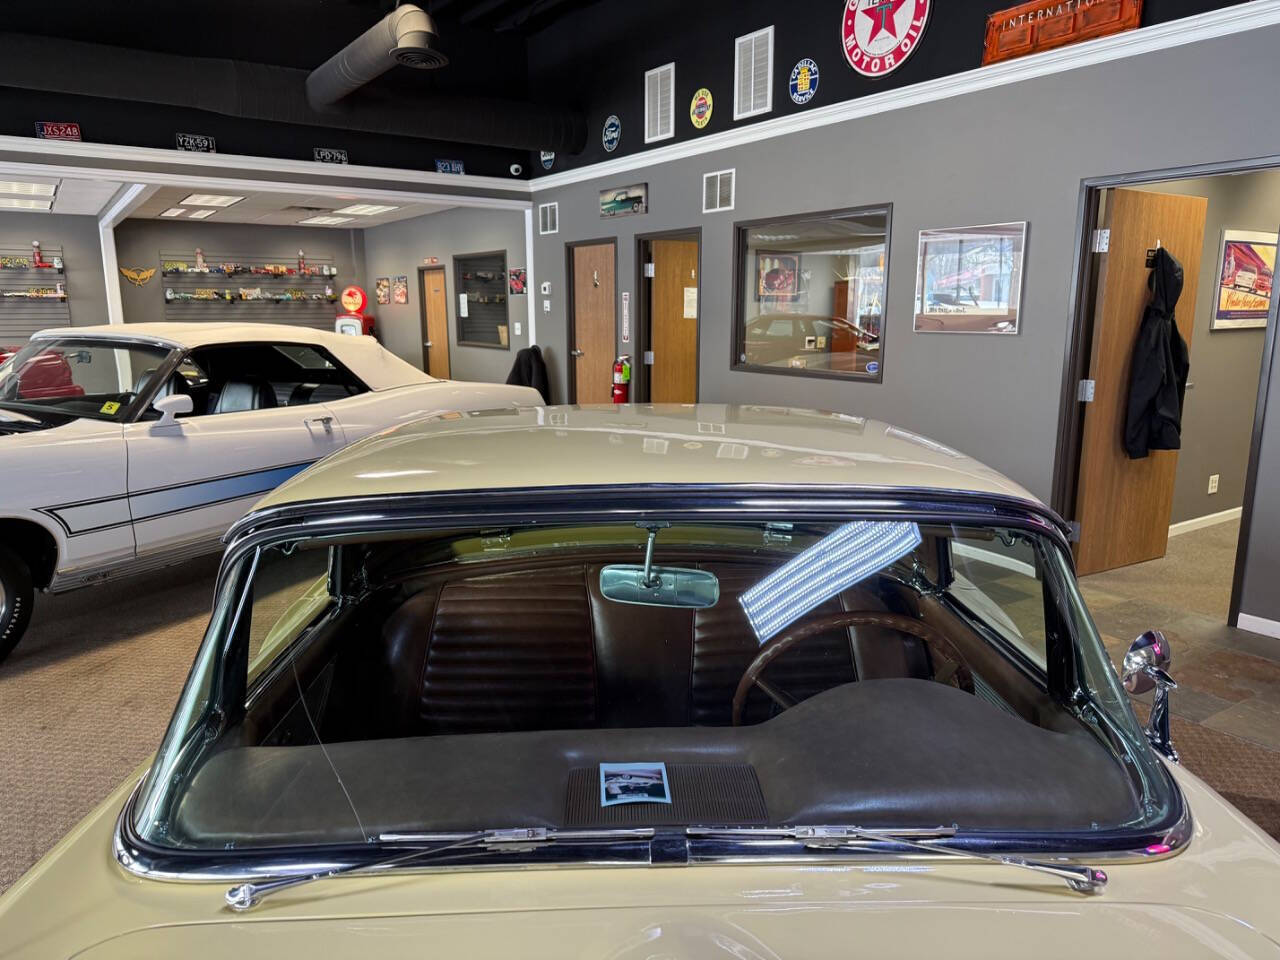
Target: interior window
column 236, row 378
column 289, row 591
column 998, row 578
column 813, row 293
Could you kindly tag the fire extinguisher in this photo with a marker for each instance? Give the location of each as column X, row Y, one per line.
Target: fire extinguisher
column 622, row 379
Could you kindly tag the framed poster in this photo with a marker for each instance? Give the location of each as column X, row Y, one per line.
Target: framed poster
column 969, row 279
column 1246, row 267
column 624, row 201
column 517, row 281
column 777, row 275
column 400, row 290
column 382, row 289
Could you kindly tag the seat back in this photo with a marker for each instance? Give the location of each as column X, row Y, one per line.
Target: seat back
column 238, row 396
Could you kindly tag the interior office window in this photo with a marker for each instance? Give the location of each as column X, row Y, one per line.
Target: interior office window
column 660, row 103
column 480, row 281
column 753, row 67
column 811, row 291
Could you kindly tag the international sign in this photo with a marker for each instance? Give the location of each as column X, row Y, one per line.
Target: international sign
column 1046, row 24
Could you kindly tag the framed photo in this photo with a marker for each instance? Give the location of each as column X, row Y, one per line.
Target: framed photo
column 777, row 275
column 400, row 290
column 517, row 281
column 969, row 279
column 624, row 201
column 382, row 289
column 1246, row 268
column 634, row 783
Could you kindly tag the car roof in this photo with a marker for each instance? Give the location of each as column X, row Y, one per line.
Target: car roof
column 634, row 445
column 364, row 356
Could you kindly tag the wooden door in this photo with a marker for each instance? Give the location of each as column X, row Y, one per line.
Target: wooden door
column 1124, row 505
column 673, row 321
column 593, row 330
column 435, row 322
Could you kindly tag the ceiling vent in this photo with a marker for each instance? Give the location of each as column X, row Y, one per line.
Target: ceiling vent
column 753, row 66
column 548, row 218
column 407, row 36
column 717, row 191
column 660, row 103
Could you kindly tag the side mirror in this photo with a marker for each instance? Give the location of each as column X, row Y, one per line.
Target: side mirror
column 170, row 407
column 1146, row 667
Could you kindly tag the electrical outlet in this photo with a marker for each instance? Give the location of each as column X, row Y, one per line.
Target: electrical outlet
column 1213, row 483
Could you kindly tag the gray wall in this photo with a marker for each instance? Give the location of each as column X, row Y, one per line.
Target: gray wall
column 399, row 248
column 1013, row 153
column 1217, row 419
column 1259, row 596
column 78, row 237
column 140, row 242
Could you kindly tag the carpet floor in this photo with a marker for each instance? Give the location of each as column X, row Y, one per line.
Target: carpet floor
column 87, row 694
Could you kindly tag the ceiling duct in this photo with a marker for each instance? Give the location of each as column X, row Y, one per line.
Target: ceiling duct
column 259, row 91
column 407, row 36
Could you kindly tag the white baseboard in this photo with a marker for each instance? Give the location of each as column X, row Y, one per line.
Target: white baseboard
column 1268, row 628
column 1208, row 520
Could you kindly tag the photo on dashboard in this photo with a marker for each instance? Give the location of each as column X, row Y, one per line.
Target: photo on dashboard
column 633, row 783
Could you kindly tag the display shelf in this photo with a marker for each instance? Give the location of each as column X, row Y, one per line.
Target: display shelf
column 24, row 310
column 218, row 285
column 482, row 279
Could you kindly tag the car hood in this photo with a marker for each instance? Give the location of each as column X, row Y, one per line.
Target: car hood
column 990, row 931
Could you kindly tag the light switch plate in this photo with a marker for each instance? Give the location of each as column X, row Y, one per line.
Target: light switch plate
column 1213, row 482
column 546, row 306
column 519, row 327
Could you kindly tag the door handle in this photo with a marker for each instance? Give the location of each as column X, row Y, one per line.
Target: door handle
column 326, row 422
column 579, row 353
column 427, row 343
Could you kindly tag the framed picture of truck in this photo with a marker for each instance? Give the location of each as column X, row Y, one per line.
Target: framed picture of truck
column 1246, row 268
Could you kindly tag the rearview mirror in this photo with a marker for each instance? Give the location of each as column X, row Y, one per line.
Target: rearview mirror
column 170, row 408
column 659, row 586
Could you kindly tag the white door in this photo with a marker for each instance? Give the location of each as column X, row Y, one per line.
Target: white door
column 190, row 481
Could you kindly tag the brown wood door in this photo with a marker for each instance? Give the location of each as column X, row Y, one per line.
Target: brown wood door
column 1124, row 505
column 593, row 334
column 673, row 321
column 435, row 322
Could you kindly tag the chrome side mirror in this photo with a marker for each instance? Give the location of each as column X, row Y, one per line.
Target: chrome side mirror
column 1146, row 667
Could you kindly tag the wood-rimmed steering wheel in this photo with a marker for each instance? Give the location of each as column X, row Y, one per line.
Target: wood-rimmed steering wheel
column 954, row 668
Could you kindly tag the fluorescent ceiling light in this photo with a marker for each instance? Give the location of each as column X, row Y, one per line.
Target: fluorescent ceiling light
column 202, row 214
column 25, row 203
column 367, row 209
column 836, row 562
column 326, row 221
column 211, row 200
column 174, row 212
column 25, row 189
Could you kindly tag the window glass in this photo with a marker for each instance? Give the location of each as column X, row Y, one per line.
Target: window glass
column 72, row 377
column 235, row 378
column 813, row 296
column 997, row 578
column 289, row 590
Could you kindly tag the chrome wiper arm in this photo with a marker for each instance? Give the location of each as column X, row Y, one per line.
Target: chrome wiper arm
column 1082, row 879
column 245, row 896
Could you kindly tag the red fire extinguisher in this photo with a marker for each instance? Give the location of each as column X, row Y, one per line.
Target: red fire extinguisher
column 622, row 379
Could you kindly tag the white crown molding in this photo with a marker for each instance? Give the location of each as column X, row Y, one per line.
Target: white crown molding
column 1218, row 23
column 41, row 157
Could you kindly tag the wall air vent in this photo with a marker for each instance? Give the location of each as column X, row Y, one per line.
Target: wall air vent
column 753, row 66
column 548, row 218
column 717, row 190
column 660, row 103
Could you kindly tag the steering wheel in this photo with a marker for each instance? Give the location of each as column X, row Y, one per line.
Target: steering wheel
column 956, row 669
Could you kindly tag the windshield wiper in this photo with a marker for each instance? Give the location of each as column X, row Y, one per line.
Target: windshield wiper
column 426, row 846
column 1082, row 879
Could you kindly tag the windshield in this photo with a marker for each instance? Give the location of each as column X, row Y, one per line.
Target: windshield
column 69, row 377
column 664, row 672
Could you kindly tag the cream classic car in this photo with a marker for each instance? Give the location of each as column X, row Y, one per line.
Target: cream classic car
column 640, row 682
column 130, row 447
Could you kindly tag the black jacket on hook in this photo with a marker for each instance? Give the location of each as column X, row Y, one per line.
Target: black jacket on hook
column 530, row 370
column 1158, row 375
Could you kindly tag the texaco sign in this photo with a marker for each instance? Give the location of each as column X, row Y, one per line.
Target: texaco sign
column 879, row 35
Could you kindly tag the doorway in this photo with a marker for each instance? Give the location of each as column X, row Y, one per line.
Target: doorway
column 668, row 313
column 434, row 300
column 592, row 271
column 1127, row 508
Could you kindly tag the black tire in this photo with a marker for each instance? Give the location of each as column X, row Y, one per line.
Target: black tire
column 16, row 598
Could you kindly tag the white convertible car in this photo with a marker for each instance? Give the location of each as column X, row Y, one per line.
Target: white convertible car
column 129, row 447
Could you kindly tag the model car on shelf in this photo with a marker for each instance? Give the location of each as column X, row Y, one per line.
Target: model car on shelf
column 125, row 448
column 693, row 681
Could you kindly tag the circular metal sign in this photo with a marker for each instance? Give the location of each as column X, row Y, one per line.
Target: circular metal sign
column 700, row 108
column 612, row 133
column 878, row 36
column 804, row 81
